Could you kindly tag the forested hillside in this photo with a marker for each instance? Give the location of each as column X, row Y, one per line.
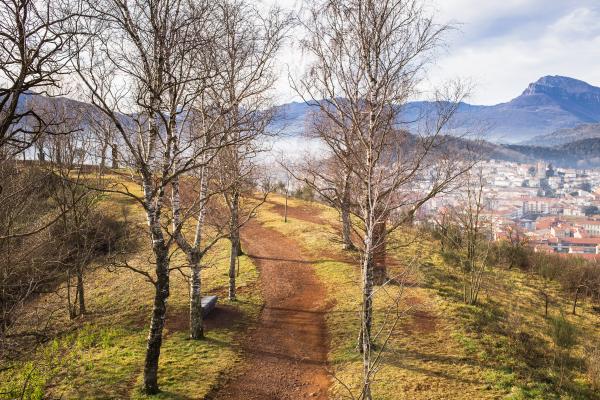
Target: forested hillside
column 583, row 153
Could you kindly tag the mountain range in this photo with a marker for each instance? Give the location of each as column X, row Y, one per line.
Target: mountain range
column 548, row 108
column 555, row 118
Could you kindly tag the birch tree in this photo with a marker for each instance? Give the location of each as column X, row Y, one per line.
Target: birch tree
column 245, row 54
column 207, row 123
column 331, row 177
column 139, row 63
column 34, row 36
column 369, row 59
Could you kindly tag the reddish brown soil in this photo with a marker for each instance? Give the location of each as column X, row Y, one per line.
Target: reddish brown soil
column 422, row 320
column 304, row 213
column 286, row 353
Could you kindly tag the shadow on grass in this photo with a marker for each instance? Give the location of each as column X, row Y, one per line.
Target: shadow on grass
column 254, row 257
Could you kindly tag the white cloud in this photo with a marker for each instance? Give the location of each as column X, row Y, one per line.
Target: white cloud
column 504, row 62
column 581, row 23
column 501, row 45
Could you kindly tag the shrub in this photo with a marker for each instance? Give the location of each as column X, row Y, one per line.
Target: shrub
column 562, row 332
column 592, row 361
column 564, row 336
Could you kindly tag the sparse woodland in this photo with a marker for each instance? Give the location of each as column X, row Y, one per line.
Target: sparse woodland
column 133, row 184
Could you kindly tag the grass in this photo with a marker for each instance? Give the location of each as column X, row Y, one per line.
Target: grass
column 500, row 348
column 101, row 354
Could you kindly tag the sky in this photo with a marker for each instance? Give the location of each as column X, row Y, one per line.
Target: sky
column 500, row 46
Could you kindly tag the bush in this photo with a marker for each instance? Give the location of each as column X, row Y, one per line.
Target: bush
column 562, row 332
column 592, row 361
column 564, row 336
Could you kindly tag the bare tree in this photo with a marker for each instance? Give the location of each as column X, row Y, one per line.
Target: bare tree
column 139, row 63
column 208, row 133
column 515, row 246
column 332, row 177
column 474, row 241
column 34, row 36
column 369, row 58
column 83, row 229
column 33, row 59
column 545, row 266
column 105, row 147
column 196, row 248
column 245, row 55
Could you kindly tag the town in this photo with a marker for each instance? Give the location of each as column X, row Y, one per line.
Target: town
column 551, row 209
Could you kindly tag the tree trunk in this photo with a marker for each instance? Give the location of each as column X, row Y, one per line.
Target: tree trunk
column 80, row 293
column 238, row 245
column 347, row 228
column 379, row 254
column 345, row 213
column 114, row 156
column 367, row 292
column 232, row 264
column 41, row 154
column 196, row 319
column 287, row 190
column 157, row 322
column 575, row 301
column 69, row 302
column 366, row 318
column 103, row 151
column 235, row 243
column 196, row 322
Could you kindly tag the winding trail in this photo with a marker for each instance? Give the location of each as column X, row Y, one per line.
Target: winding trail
column 286, row 353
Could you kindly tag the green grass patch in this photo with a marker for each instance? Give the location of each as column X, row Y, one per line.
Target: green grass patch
column 101, row 355
column 499, row 348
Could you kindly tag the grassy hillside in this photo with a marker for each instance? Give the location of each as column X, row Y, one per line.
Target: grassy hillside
column 101, row 355
column 501, row 348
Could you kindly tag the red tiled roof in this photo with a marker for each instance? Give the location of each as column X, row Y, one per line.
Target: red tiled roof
column 570, row 240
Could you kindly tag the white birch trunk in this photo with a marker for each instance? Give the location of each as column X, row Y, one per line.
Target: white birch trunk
column 235, row 244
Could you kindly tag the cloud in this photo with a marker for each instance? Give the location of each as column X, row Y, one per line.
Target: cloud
column 501, row 45
column 580, row 24
column 503, row 48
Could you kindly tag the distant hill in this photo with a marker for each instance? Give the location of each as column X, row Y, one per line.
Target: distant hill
column 291, row 118
column 548, row 105
column 568, row 135
column 583, row 153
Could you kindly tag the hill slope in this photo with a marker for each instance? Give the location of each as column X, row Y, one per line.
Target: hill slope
column 564, row 136
column 101, row 355
column 584, row 153
column 439, row 349
column 442, row 348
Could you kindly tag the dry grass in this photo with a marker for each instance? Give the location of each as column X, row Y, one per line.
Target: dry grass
column 101, row 355
column 442, row 348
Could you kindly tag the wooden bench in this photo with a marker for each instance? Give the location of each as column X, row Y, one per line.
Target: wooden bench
column 208, row 304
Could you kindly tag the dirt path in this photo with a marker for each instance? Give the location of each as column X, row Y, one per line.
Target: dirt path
column 287, row 351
